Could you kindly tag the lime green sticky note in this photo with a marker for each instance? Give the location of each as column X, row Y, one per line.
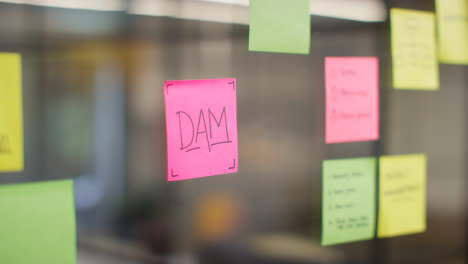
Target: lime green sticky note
column 414, row 58
column 37, row 223
column 279, row 26
column 348, row 200
column 11, row 113
column 452, row 27
column 402, row 195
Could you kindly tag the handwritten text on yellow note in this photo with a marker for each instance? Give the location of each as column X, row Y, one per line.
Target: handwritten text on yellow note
column 452, row 26
column 414, row 59
column 402, row 195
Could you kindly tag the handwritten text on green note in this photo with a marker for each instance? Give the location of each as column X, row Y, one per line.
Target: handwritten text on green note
column 348, row 200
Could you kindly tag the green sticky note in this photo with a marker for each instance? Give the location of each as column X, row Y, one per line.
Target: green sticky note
column 452, row 28
column 37, row 223
column 414, row 55
column 280, row 26
column 402, row 195
column 348, row 200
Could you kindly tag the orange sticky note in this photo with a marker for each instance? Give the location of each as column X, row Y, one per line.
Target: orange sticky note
column 352, row 99
column 201, row 125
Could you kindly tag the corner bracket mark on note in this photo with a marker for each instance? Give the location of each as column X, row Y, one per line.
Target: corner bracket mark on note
column 233, row 166
column 233, row 85
column 167, row 88
column 172, row 173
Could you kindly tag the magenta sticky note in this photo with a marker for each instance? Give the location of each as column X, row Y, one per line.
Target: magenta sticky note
column 352, row 99
column 201, row 125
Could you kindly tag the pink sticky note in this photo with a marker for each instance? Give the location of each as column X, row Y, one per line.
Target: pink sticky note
column 201, row 125
column 352, row 99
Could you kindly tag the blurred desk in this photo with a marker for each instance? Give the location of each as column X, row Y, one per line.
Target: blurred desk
column 286, row 248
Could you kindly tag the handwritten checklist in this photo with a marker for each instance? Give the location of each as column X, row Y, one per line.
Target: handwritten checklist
column 414, row 59
column 348, row 200
column 201, row 124
column 352, row 99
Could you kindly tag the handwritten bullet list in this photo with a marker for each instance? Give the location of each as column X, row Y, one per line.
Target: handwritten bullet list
column 348, row 200
column 414, row 56
column 351, row 91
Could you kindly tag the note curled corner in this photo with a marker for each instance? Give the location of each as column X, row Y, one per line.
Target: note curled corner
column 201, row 126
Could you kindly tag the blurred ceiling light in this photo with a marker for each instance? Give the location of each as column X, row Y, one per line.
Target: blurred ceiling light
column 230, row 2
column 360, row 10
column 236, row 11
column 192, row 9
column 101, row 5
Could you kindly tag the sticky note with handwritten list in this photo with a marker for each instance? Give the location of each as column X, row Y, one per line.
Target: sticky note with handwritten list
column 402, row 195
column 279, row 26
column 352, row 99
column 37, row 223
column 348, row 200
column 201, row 124
column 452, row 28
column 414, row 55
column 11, row 113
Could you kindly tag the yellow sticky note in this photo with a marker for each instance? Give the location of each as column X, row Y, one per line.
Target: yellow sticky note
column 414, row 55
column 11, row 113
column 452, row 27
column 402, row 195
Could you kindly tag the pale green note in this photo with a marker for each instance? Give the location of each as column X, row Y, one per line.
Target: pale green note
column 280, row 26
column 348, row 200
column 37, row 223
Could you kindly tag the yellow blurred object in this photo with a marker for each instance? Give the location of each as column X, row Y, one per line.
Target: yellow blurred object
column 402, row 195
column 216, row 216
column 452, row 26
column 11, row 113
column 414, row 54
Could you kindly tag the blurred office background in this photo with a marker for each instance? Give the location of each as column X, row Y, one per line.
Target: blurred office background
column 93, row 74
